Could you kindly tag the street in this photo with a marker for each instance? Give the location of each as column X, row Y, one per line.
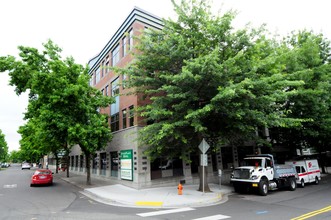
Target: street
column 64, row 201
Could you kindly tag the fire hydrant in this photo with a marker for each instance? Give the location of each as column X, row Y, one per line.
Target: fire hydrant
column 180, row 189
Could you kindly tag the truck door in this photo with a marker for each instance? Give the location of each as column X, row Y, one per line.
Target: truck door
column 269, row 169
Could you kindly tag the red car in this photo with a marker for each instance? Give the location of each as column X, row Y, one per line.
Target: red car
column 41, row 177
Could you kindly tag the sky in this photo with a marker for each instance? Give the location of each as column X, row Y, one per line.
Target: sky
column 82, row 28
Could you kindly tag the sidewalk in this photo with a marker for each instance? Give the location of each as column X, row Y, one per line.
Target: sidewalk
column 163, row 197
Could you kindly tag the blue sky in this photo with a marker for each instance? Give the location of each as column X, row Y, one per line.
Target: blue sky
column 82, row 28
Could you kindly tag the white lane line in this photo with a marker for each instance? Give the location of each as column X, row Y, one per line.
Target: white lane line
column 10, row 186
column 147, row 214
column 213, row 217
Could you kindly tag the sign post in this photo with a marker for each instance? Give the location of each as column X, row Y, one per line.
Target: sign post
column 203, row 146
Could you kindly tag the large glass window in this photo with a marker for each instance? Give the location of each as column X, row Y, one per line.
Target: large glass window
column 114, row 122
column 116, row 55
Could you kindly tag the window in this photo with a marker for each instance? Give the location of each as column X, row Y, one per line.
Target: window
column 102, row 69
column 131, row 116
column 124, row 46
column 114, row 122
column 114, row 108
column 131, row 39
column 116, row 55
column 97, row 75
column 102, row 91
column 124, row 118
column 106, row 90
column 107, row 65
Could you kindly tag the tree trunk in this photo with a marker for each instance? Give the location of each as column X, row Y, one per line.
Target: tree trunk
column 88, row 168
column 56, row 163
column 203, row 185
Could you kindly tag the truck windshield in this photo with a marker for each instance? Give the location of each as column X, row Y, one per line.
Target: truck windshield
column 252, row 162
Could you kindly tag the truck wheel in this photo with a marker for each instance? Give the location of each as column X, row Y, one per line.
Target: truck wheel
column 293, row 184
column 317, row 181
column 263, row 188
column 302, row 184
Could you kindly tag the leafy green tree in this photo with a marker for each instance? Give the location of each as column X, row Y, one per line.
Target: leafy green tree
column 309, row 61
column 3, row 147
column 205, row 80
column 62, row 105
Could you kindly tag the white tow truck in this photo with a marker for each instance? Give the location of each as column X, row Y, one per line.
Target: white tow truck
column 308, row 171
column 260, row 172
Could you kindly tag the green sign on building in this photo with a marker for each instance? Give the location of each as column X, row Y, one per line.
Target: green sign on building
column 126, row 165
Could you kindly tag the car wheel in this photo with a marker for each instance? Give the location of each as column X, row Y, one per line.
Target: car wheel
column 317, row 181
column 293, row 184
column 263, row 188
column 302, row 184
column 31, row 185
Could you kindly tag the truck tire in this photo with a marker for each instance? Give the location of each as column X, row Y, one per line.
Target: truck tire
column 293, row 184
column 302, row 183
column 263, row 187
column 317, row 181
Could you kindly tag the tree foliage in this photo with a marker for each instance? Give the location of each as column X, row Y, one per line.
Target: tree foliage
column 63, row 109
column 205, row 79
column 3, row 147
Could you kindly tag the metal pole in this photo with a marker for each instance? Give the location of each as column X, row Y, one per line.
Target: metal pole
column 203, row 175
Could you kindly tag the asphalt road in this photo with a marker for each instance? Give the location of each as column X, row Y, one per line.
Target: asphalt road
column 64, row 201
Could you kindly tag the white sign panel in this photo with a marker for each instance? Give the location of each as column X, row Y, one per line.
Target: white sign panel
column 203, row 160
column 203, row 146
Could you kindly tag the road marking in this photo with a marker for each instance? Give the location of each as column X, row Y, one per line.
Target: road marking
column 10, row 186
column 261, row 212
column 311, row 214
column 142, row 203
column 213, row 217
column 147, row 214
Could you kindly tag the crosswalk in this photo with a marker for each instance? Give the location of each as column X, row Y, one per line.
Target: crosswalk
column 173, row 211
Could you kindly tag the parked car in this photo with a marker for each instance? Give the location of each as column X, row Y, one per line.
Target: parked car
column 26, row 166
column 42, row 177
column 5, row 165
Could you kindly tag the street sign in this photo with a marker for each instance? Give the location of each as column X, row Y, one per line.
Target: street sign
column 203, row 146
column 203, row 160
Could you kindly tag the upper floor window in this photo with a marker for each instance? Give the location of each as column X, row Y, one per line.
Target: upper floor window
column 102, row 69
column 106, row 90
column 124, row 46
column 116, row 55
column 114, row 107
column 131, row 39
column 97, row 75
column 106, row 64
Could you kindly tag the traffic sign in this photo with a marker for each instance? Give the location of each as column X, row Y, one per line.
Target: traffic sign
column 203, row 146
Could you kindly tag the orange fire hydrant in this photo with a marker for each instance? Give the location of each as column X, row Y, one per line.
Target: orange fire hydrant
column 180, row 189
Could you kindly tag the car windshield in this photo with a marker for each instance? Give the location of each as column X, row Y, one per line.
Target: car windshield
column 252, row 162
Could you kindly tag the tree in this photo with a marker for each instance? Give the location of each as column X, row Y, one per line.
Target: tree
column 3, row 147
column 205, row 80
column 309, row 61
column 61, row 102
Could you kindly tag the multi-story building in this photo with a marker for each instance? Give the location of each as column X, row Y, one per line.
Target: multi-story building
column 123, row 160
